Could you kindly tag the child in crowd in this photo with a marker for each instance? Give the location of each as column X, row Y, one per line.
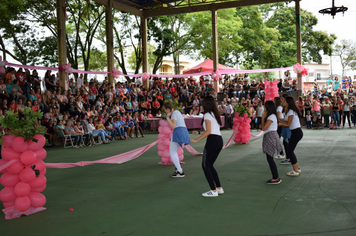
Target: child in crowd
column 308, row 117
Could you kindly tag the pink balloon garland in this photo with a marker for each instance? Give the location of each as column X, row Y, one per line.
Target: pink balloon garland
column 23, row 179
column 163, row 146
column 242, row 123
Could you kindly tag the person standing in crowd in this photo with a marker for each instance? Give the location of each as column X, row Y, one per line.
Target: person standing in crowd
column 229, row 111
column 271, row 143
column 214, row 143
column 346, row 113
column 180, row 136
column 292, row 121
column 335, row 113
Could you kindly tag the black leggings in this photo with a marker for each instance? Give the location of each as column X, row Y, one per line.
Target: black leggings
column 213, row 146
column 272, row 166
column 346, row 114
column 296, row 136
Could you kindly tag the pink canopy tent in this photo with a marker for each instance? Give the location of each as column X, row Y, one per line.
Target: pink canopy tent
column 206, row 65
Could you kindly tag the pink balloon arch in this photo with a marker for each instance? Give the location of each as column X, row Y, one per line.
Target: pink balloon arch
column 24, row 177
column 163, row 146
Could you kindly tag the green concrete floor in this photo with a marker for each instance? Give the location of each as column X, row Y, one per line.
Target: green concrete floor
column 140, row 198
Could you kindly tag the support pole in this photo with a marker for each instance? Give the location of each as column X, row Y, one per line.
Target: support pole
column 109, row 41
column 146, row 83
column 215, row 46
column 61, row 43
column 299, row 46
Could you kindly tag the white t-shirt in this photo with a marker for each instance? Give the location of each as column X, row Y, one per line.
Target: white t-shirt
column 229, row 109
column 280, row 109
column 260, row 110
column 274, row 125
column 215, row 127
column 176, row 115
column 295, row 122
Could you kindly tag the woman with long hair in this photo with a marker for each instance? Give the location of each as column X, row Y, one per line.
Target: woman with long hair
column 292, row 121
column 180, row 136
column 214, row 143
column 271, row 143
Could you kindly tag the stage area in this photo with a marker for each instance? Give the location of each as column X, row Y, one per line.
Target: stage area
column 140, row 198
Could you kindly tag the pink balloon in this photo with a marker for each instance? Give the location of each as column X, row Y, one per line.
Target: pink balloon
column 160, row 129
column 161, row 136
column 44, row 171
column 166, row 154
column 166, row 130
column 8, row 204
column 180, row 152
column 9, row 180
column 36, row 145
column 161, row 147
column 22, row 203
column 2, row 162
column 9, row 154
column 28, row 157
column 7, row 194
column 240, row 119
column 38, row 182
column 237, row 114
column 27, row 175
column 237, row 139
column 15, row 168
column 248, row 120
column 166, row 142
column 19, row 144
column 160, row 153
column 39, row 190
column 245, row 115
column 22, row 189
column 40, row 165
column 7, row 140
column 41, row 154
column 166, row 160
column 162, row 123
column 37, row 199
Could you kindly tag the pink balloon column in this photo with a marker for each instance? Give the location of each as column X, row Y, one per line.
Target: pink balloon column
column 164, row 136
column 242, row 123
column 271, row 90
column 24, row 179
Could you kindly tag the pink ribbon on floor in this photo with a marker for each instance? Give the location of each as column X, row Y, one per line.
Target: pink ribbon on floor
column 118, row 159
column 12, row 212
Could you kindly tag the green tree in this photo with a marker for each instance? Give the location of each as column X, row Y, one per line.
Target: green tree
column 346, row 51
column 132, row 60
column 229, row 41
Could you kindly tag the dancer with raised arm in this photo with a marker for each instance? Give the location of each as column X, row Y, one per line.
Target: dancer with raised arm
column 213, row 146
column 180, row 136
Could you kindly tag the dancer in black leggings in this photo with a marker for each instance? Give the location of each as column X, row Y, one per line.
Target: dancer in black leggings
column 213, row 146
column 292, row 121
column 271, row 143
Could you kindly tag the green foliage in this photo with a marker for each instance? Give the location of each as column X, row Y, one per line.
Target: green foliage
column 26, row 128
column 132, row 60
column 241, row 109
column 175, row 104
column 346, row 51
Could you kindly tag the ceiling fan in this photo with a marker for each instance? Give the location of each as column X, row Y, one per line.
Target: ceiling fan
column 333, row 10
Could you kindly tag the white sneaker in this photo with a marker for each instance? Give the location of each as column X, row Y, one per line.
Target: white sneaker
column 220, row 191
column 210, row 193
column 299, row 170
column 279, row 156
column 293, row 173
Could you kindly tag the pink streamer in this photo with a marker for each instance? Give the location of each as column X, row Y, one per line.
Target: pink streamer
column 12, row 212
column 258, row 135
column 33, row 67
column 9, row 163
column 118, row 159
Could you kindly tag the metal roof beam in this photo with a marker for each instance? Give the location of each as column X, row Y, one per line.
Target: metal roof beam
column 121, row 7
column 208, row 7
